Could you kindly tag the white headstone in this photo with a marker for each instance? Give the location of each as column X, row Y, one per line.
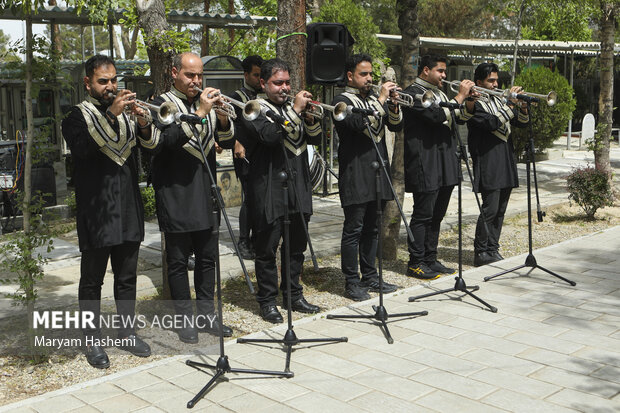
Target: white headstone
column 587, row 127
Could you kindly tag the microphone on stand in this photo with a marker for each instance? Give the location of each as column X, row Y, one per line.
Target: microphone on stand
column 184, row 117
column 275, row 117
column 368, row 112
column 450, row 105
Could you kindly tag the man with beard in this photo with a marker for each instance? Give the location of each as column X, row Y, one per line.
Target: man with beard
column 251, row 87
column 492, row 153
column 266, row 138
column 183, row 192
column 356, row 153
column 110, row 216
column 432, row 166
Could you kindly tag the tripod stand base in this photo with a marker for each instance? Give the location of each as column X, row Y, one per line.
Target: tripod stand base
column 530, row 261
column 222, row 366
column 380, row 315
column 290, row 339
column 459, row 285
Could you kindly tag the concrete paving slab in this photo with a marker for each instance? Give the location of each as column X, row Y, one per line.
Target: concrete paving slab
column 551, row 347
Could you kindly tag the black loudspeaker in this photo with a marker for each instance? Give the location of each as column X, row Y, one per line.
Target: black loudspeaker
column 327, row 51
column 44, row 180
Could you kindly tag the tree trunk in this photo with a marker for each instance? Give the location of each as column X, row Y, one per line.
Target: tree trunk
column 409, row 29
column 314, row 7
column 130, row 45
column 231, row 31
column 292, row 48
column 513, row 74
column 152, row 21
column 29, row 128
column 606, row 100
column 55, row 30
column 204, row 43
column 117, row 47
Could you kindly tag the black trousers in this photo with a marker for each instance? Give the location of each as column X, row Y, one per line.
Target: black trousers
column 494, row 204
column 124, row 260
column 266, row 246
column 245, row 218
column 359, row 238
column 429, row 208
column 179, row 246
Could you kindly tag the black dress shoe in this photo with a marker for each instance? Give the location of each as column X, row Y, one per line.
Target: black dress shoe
column 188, row 335
column 483, row 258
column 373, row 285
column 496, row 255
column 270, row 313
column 97, row 357
column 439, row 267
column 302, row 306
column 212, row 326
column 356, row 292
column 245, row 250
column 135, row 345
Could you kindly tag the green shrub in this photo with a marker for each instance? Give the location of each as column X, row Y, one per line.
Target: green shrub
column 589, row 188
column 548, row 122
column 148, row 199
column 71, row 203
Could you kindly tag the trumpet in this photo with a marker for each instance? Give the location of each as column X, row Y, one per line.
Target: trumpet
column 551, row 98
column 165, row 111
column 427, row 98
column 317, row 109
column 251, row 109
column 486, row 93
column 404, row 99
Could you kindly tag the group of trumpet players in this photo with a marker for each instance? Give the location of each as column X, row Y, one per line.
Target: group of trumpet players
column 269, row 131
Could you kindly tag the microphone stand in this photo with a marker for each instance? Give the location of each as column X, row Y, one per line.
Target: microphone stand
column 381, row 313
column 222, row 366
column 530, row 261
column 290, row 338
column 460, row 284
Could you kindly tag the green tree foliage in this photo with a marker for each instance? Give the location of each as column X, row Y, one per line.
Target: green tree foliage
column 360, row 25
column 548, row 121
column 71, row 40
column 7, row 49
column 458, row 18
column 558, row 20
column 246, row 42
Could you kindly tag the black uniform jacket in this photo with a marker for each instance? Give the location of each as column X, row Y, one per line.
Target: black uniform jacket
column 431, row 159
column 490, row 145
column 105, row 173
column 181, row 179
column 356, row 152
column 245, row 94
column 264, row 141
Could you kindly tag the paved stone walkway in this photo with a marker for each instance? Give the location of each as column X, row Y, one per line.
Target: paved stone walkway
column 60, row 284
column 551, row 347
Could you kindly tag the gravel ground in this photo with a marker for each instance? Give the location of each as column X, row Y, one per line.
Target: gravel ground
column 20, row 379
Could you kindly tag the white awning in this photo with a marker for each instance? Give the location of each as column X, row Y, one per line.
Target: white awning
column 499, row 46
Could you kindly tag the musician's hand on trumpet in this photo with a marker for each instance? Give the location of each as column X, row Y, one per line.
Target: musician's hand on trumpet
column 302, row 101
column 209, row 98
column 512, row 96
column 467, row 90
column 125, row 101
column 388, row 90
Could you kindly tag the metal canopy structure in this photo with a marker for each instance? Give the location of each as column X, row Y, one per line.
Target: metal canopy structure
column 499, row 46
column 68, row 15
